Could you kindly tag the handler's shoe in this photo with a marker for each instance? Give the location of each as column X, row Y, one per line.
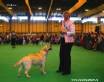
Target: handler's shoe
column 58, row 71
column 66, row 73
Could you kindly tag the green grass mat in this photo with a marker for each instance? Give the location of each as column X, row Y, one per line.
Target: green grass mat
column 86, row 64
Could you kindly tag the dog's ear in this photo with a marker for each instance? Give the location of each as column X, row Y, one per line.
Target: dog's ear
column 44, row 47
column 48, row 44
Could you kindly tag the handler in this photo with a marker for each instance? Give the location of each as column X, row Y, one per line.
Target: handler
column 67, row 40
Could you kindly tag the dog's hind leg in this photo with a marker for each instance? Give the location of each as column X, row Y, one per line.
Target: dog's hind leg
column 27, row 68
column 19, row 70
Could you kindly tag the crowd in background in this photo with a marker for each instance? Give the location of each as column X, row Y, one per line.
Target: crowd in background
column 22, row 39
column 92, row 41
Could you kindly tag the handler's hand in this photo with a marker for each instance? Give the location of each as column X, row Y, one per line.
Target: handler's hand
column 63, row 33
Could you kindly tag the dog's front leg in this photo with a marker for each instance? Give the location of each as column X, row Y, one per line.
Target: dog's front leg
column 42, row 68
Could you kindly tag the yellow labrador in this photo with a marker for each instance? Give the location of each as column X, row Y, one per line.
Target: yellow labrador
column 35, row 58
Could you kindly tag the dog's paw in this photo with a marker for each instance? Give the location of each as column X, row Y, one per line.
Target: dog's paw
column 44, row 73
column 28, row 76
column 18, row 75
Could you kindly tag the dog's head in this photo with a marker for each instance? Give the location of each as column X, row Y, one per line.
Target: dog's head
column 47, row 47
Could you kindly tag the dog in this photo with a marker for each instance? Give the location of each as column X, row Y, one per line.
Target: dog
column 33, row 59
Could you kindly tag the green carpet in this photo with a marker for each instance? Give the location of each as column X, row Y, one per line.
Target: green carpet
column 86, row 64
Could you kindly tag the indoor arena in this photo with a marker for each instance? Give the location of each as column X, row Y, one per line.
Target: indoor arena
column 52, row 40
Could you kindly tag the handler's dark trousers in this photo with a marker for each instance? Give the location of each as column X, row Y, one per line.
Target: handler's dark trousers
column 65, row 57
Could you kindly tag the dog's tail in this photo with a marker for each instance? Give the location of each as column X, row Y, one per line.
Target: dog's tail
column 18, row 63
